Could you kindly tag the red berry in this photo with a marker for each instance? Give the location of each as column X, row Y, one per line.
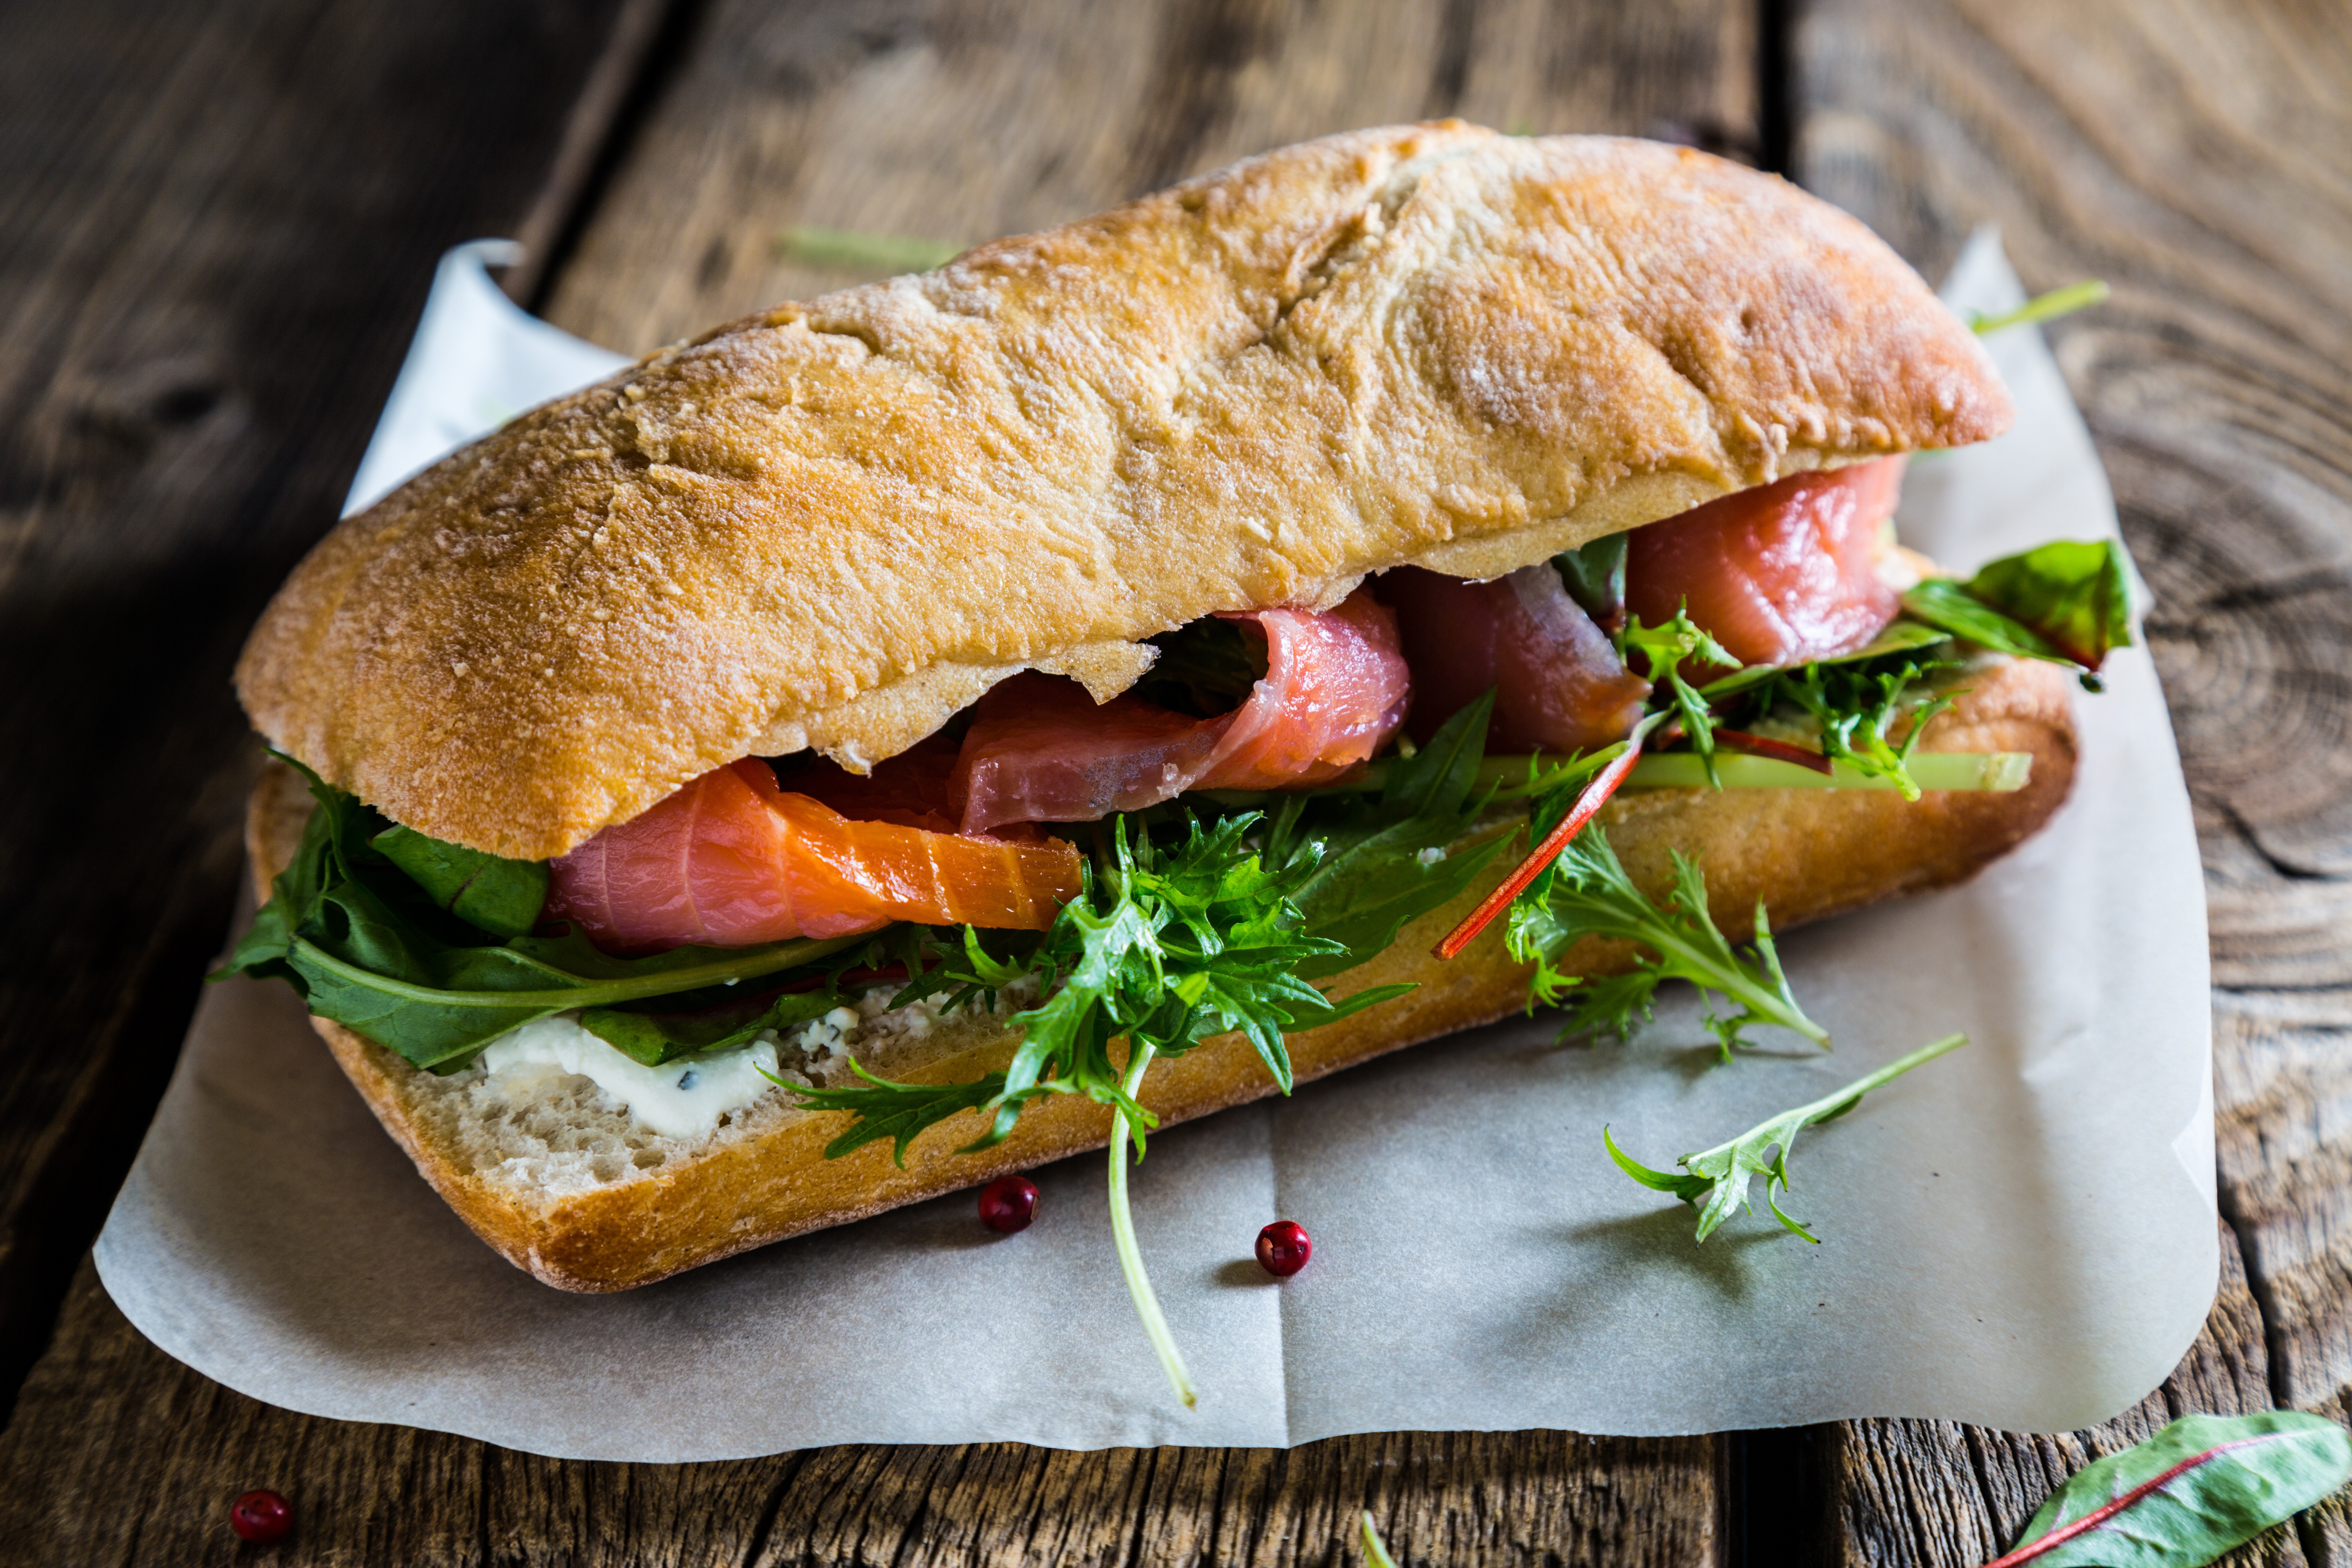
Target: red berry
column 1008, row 1203
column 260, row 1517
column 1283, row 1248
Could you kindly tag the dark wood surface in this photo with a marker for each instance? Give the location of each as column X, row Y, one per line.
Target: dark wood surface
column 216, row 224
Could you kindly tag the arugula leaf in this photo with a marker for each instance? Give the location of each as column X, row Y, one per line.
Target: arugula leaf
column 2182, row 1499
column 367, row 945
column 1715, row 1182
column 1163, row 947
column 1386, row 863
column 898, row 1111
column 1376, row 1551
column 1122, row 1228
column 1665, row 649
column 2068, row 602
column 1586, row 892
column 1856, row 707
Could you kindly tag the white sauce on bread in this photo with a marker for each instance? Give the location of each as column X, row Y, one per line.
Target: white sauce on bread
column 680, row 1099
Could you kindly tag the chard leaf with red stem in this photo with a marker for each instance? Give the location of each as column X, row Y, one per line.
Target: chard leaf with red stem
column 2200, row 1487
column 2068, row 602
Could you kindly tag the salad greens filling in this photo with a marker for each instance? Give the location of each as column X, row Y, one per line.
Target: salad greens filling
column 1218, row 912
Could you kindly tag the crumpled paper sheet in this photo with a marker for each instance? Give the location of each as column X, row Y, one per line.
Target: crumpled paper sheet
column 2020, row 1235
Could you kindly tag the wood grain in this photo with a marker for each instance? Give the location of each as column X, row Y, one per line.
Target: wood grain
column 217, row 224
column 121, row 1455
column 956, row 121
column 1943, row 1495
column 2199, row 158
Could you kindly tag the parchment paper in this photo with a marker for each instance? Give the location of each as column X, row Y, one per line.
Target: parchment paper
column 2020, row 1235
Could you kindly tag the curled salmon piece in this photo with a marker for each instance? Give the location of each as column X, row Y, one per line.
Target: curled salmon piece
column 1559, row 684
column 1779, row 575
column 1335, row 689
column 730, row 860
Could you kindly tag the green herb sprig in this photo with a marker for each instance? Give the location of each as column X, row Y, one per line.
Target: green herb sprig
column 1716, row 1180
column 1586, row 892
column 1665, row 650
column 1856, row 706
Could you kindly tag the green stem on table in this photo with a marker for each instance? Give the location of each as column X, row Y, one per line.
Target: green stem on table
column 1130, row 1257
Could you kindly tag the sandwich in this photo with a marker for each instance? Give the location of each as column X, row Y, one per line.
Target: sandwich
column 906, row 737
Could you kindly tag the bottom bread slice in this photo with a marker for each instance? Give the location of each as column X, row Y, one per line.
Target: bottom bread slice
column 566, row 1184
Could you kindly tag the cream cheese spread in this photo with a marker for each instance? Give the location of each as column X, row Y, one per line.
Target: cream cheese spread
column 680, row 1099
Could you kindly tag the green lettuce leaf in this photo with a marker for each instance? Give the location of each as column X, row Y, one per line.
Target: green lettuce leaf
column 2068, row 602
column 369, row 945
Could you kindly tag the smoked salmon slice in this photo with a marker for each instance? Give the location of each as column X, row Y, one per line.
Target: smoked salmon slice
column 1559, row 684
column 730, row 860
column 1039, row 749
column 1780, row 574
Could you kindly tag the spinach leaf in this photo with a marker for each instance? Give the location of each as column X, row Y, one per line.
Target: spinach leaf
column 2198, row 1487
column 370, row 947
column 2068, row 602
column 502, row 896
column 1595, row 576
column 1715, row 1182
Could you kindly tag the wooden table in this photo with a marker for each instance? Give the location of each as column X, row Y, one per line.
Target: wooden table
column 217, row 222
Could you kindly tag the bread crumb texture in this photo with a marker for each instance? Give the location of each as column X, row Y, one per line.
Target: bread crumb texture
column 833, row 524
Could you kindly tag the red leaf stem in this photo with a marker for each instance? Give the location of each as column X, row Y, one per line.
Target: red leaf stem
column 1779, row 750
column 1596, row 794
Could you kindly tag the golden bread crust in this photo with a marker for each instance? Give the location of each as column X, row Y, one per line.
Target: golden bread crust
column 1806, row 853
column 833, row 524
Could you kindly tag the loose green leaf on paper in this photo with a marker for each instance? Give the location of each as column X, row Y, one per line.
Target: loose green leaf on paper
column 1715, row 1182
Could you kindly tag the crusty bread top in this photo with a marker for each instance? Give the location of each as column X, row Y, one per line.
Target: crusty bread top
column 834, row 524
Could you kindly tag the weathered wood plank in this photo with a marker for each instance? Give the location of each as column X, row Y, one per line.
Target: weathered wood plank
column 1942, row 1495
column 956, row 121
column 2196, row 157
column 121, row 1455
column 217, row 224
